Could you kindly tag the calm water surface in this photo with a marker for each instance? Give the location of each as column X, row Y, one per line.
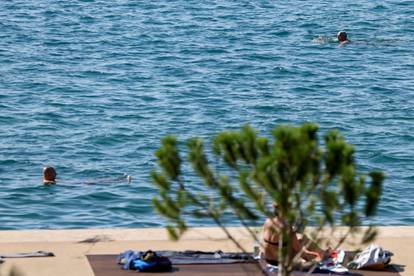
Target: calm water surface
column 91, row 86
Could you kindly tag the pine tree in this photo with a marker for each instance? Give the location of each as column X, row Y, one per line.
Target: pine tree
column 312, row 184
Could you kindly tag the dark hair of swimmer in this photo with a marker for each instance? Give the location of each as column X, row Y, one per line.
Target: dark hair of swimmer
column 342, row 37
column 49, row 175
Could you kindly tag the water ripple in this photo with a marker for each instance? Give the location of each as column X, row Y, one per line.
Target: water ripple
column 91, row 86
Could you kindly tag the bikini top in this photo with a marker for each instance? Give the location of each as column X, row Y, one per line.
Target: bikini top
column 273, row 243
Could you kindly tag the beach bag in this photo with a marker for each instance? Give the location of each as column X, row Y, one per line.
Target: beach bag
column 150, row 261
column 373, row 257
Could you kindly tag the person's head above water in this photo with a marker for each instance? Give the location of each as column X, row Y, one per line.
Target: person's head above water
column 49, row 175
column 342, row 36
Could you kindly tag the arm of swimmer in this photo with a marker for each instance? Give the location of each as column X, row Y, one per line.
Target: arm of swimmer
column 126, row 178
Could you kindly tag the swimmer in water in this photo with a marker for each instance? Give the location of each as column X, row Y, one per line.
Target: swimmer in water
column 49, row 175
column 49, row 178
column 343, row 38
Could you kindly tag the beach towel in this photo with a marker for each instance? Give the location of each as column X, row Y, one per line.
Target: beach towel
column 104, row 265
column 25, row 255
column 207, row 257
column 331, row 268
column 28, row 255
column 190, row 257
column 332, row 265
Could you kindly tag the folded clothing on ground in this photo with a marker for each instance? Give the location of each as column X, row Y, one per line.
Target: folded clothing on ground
column 374, row 257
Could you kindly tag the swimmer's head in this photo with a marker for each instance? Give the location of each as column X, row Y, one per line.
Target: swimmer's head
column 342, row 36
column 49, row 175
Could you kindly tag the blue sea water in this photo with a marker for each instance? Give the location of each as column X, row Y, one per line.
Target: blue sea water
column 91, row 86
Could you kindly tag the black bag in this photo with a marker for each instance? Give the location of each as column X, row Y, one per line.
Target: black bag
column 150, row 261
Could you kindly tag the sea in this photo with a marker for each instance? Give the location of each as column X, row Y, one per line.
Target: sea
column 92, row 86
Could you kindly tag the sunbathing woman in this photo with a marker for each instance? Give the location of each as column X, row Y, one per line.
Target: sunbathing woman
column 300, row 243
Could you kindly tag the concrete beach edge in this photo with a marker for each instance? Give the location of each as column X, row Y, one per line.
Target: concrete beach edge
column 71, row 246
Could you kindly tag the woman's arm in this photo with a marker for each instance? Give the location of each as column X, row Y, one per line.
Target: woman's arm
column 300, row 247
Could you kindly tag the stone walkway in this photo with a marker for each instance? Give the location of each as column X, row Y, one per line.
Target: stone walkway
column 71, row 246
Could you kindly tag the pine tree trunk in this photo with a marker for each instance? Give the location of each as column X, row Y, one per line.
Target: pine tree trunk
column 285, row 251
column 282, row 272
column 283, row 255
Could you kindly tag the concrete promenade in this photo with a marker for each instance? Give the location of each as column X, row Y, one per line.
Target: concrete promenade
column 71, row 246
